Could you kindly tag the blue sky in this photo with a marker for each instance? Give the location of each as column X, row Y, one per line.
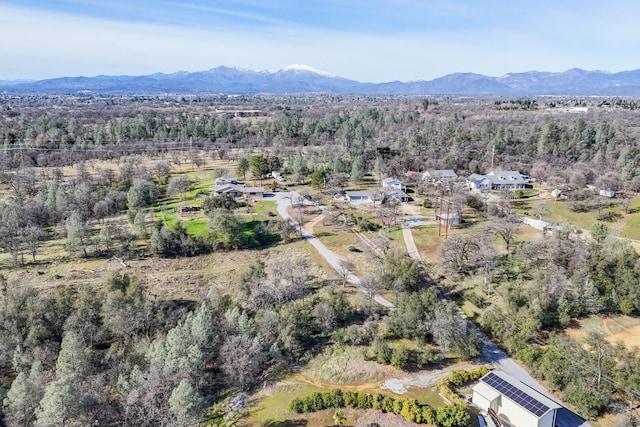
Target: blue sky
column 372, row 40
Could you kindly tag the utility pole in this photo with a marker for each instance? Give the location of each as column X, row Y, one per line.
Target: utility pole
column 448, row 217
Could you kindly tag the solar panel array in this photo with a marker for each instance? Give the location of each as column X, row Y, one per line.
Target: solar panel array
column 523, row 399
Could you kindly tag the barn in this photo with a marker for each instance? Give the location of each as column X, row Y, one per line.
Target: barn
column 514, row 402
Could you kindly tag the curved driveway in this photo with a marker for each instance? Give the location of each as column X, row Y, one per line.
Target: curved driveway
column 284, row 201
column 499, row 358
column 490, row 352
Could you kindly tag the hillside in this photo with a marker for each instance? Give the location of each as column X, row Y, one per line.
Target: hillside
column 299, row 79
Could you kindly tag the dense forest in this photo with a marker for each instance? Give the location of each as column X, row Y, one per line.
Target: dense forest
column 121, row 354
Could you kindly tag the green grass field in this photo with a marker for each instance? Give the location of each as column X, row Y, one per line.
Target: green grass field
column 560, row 212
column 198, row 227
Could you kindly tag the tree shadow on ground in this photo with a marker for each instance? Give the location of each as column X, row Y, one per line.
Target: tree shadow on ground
column 285, row 423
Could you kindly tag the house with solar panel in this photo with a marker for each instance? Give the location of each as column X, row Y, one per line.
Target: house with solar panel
column 509, row 401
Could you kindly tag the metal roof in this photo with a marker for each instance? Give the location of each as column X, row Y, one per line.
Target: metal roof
column 526, row 397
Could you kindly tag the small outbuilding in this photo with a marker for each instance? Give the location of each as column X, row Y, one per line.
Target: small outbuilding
column 448, row 219
column 513, row 401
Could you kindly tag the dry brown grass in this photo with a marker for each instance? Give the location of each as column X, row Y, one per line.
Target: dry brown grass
column 338, row 239
column 618, row 328
column 176, row 278
column 345, row 365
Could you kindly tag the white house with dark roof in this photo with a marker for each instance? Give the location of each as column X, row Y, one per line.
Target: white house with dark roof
column 395, row 194
column 497, row 180
column 393, row 183
column 514, row 402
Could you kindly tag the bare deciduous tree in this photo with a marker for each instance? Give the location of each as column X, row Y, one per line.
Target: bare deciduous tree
column 540, row 210
column 344, row 269
column 448, row 326
column 389, row 212
column 241, row 359
column 371, row 286
column 178, row 185
column 458, row 253
column 507, row 228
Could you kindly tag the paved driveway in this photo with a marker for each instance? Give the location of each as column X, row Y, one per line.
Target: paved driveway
column 284, row 201
column 492, row 354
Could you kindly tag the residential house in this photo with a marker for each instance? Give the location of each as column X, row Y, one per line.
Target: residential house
column 377, row 195
column 510, row 400
column 253, row 192
column 393, row 183
column 358, row 196
column 478, row 182
column 395, row 194
column 237, row 191
column 497, row 180
column 233, row 190
column 439, row 175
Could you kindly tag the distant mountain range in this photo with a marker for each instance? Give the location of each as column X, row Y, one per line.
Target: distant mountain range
column 299, row 79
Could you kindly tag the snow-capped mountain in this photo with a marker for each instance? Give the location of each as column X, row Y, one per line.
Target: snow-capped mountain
column 300, row 68
column 296, row 79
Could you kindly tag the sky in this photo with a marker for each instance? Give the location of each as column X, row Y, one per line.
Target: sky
column 364, row 40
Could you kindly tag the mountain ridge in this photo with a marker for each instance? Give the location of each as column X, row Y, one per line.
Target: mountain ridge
column 303, row 79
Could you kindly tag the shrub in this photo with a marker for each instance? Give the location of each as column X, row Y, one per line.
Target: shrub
column 452, row 416
column 411, row 410
column 397, row 406
column 364, row 401
column 458, row 378
column 360, row 335
column 297, row 405
column 387, row 404
column 626, row 306
column 382, row 351
column 475, row 203
column 327, row 400
column 399, row 357
column 317, row 404
column 376, row 401
column 448, row 416
column 428, row 415
column 475, row 299
column 350, row 399
column 425, row 356
column 337, row 400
